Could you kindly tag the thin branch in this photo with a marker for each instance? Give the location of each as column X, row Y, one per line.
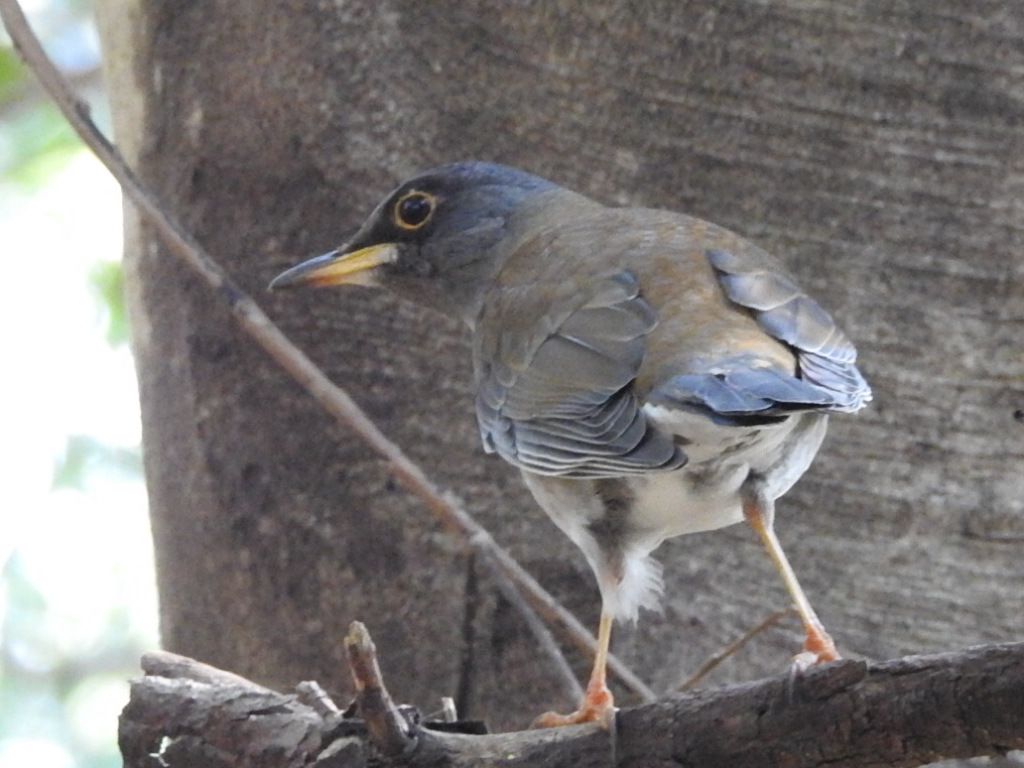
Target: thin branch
column 570, row 684
column 258, row 325
column 731, row 649
column 549, row 608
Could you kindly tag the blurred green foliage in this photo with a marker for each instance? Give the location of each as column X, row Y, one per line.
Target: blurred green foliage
column 43, row 688
column 35, row 140
column 70, row 625
column 38, row 143
column 107, row 282
column 85, row 454
column 12, row 75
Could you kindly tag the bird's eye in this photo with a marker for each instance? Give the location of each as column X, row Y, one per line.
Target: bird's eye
column 413, row 209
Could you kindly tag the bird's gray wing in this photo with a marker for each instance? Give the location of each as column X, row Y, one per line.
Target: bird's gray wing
column 554, row 372
column 827, row 375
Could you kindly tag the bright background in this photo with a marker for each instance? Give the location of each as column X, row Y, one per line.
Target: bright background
column 77, row 593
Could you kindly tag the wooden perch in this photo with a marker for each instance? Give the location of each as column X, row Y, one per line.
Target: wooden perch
column 848, row 714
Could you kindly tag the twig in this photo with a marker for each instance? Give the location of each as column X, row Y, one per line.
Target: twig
column 258, row 325
column 567, row 677
column 316, row 698
column 388, row 730
column 724, row 653
column 448, row 712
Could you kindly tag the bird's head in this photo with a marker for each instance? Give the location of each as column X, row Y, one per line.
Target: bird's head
column 436, row 239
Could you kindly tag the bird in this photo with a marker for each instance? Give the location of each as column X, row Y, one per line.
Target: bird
column 651, row 374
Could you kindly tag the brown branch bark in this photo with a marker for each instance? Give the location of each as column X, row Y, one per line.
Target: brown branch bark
column 386, row 727
column 849, row 714
column 446, row 507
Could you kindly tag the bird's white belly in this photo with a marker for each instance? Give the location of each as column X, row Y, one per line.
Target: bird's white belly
column 762, row 446
column 705, row 493
column 619, row 521
column 705, row 441
column 676, row 503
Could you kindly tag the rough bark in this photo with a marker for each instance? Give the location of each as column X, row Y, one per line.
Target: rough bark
column 877, row 147
column 845, row 715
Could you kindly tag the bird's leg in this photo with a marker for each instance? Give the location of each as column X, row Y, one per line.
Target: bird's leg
column 759, row 511
column 598, row 706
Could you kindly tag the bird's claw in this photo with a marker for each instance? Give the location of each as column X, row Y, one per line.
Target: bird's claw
column 819, row 648
column 597, row 707
column 804, row 661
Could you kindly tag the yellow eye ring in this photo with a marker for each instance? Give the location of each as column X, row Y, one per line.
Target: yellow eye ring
column 414, row 209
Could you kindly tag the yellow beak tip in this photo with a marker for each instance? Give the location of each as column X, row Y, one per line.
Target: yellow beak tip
column 337, row 268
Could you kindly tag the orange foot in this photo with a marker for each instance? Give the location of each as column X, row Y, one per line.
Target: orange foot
column 818, row 649
column 598, row 707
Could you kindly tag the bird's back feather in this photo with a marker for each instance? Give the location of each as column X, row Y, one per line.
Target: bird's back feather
column 554, row 391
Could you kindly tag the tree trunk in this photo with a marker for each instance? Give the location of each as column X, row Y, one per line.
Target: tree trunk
column 878, row 148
